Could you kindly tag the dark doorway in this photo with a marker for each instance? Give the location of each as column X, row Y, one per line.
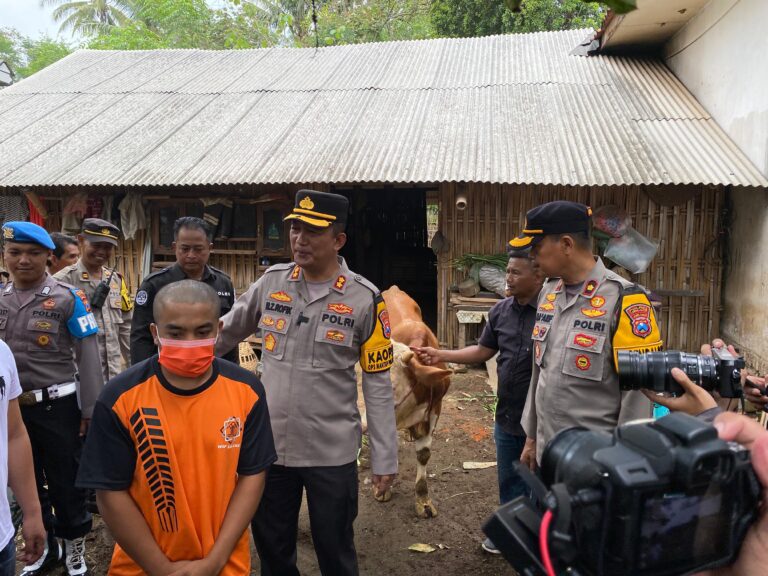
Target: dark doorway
column 388, row 243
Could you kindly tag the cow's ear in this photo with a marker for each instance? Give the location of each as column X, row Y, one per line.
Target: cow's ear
column 429, row 375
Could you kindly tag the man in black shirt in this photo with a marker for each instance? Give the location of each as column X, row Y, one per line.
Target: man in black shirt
column 508, row 332
column 193, row 243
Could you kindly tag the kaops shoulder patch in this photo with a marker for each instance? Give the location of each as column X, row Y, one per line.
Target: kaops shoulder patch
column 126, row 304
column 637, row 329
column 376, row 351
column 82, row 323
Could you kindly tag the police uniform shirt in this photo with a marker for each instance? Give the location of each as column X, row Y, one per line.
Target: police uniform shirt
column 113, row 318
column 52, row 336
column 575, row 342
column 142, row 343
column 309, row 350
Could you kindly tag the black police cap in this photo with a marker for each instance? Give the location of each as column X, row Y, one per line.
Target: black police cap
column 320, row 209
column 558, row 217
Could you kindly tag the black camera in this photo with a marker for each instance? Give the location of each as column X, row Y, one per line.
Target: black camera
column 720, row 372
column 656, row 498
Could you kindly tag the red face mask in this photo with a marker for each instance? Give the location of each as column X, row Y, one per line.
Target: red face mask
column 187, row 358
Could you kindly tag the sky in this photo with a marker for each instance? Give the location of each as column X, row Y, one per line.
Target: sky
column 33, row 21
column 29, row 18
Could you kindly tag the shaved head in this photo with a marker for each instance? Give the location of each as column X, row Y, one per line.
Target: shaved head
column 186, row 292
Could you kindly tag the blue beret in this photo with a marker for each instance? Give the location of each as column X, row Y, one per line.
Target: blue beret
column 27, row 233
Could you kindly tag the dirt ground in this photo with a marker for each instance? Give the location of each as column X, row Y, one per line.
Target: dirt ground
column 464, row 499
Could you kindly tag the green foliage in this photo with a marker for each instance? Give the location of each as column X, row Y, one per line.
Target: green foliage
column 466, row 18
column 186, row 24
column 345, row 22
column 89, row 17
column 26, row 56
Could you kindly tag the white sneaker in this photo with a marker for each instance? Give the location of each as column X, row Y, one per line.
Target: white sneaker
column 489, row 547
column 75, row 557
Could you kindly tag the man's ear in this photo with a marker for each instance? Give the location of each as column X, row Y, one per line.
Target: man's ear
column 340, row 241
column 153, row 331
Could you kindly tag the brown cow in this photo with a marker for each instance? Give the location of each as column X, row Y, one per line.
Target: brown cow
column 418, row 389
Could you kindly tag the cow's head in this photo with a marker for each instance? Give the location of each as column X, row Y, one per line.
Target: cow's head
column 405, row 363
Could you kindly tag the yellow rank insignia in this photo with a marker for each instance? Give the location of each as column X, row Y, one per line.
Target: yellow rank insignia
column 270, row 342
column 307, row 203
column 295, row 273
column 340, row 281
column 551, row 297
column 547, row 307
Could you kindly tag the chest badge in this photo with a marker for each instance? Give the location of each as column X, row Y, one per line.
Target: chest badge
column 597, row 302
column 280, row 324
column 268, row 321
column 335, row 335
column 385, row 327
column 340, row 308
column 592, row 312
column 551, row 297
column 547, row 307
column 49, row 304
column 640, row 317
column 583, row 362
column 270, row 342
column 584, row 340
column 281, row 296
column 43, row 340
column 231, row 429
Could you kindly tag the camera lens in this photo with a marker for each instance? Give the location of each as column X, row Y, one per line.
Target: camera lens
column 568, row 457
column 653, row 370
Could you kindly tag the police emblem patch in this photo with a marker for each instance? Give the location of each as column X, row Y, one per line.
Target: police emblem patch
column 270, row 342
column 281, row 296
column 551, row 297
column 231, row 429
column 268, row 321
column 43, row 325
column 7, row 233
column 597, row 301
column 340, row 308
column 49, row 304
column 640, row 317
column 141, row 297
column 583, row 362
column 547, row 307
column 592, row 312
column 307, row 203
column 335, row 335
column 385, row 327
column 43, row 340
column 584, row 340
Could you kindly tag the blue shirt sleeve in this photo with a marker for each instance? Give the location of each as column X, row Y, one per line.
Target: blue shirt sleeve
column 82, row 323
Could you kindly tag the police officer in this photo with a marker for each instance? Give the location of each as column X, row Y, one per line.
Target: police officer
column 113, row 307
column 317, row 319
column 585, row 315
column 193, row 242
column 52, row 333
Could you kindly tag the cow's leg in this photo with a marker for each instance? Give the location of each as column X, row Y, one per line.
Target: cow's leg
column 422, row 434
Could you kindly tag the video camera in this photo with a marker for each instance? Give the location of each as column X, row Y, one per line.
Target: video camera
column 720, row 372
column 656, row 498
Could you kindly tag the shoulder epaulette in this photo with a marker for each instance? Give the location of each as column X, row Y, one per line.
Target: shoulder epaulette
column 612, row 276
column 219, row 271
column 279, row 267
column 153, row 274
column 367, row 283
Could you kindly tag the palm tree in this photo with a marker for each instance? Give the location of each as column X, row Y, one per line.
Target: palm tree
column 89, row 17
column 288, row 15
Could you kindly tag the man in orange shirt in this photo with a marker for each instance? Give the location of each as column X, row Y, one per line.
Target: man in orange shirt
column 178, row 448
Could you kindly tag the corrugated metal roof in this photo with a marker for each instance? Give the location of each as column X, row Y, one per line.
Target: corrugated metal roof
column 502, row 109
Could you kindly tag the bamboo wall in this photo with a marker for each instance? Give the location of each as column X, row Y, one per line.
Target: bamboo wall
column 689, row 257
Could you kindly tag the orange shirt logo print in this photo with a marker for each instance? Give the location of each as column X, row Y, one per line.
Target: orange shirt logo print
column 230, row 431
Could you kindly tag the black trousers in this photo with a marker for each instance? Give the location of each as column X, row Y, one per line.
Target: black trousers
column 54, row 432
column 332, row 504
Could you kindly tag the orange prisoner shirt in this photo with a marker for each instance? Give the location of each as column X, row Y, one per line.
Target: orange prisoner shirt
column 178, row 453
